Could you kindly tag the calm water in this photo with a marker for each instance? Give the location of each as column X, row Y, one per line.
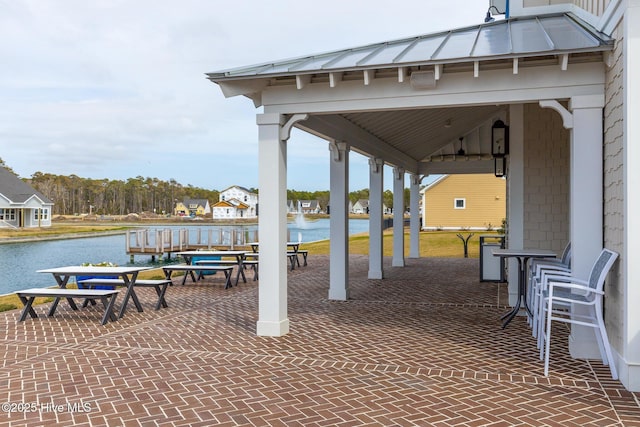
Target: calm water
column 20, row 261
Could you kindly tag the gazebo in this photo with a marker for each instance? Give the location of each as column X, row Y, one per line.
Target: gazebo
column 550, row 78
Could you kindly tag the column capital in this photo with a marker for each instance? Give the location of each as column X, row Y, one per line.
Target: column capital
column 375, row 164
column 586, row 101
column 338, row 149
column 270, row 119
column 398, row 172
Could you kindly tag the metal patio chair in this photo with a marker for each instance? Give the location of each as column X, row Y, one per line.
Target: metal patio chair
column 537, row 268
column 561, row 295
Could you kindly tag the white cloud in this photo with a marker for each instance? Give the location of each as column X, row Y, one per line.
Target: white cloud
column 117, row 88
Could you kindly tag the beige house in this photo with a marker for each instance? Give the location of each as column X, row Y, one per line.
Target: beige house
column 475, row 202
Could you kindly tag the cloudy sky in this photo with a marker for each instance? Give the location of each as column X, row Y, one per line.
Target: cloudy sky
column 116, row 88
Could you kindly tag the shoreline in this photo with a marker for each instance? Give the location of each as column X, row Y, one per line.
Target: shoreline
column 47, row 234
column 61, row 236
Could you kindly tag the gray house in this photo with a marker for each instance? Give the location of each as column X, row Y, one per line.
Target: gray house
column 20, row 205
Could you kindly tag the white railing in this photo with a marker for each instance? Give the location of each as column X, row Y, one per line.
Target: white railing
column 168, row 240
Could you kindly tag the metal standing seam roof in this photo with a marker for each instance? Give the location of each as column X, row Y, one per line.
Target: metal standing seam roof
column 512, row 38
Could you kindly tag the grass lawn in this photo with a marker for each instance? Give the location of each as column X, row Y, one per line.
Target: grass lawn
column 444, row 244
column 57, row 230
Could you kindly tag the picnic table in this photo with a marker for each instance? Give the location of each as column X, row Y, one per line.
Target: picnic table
column 127, row 275
column 293, row 250
column 28, row 296
column 215, row 258
column 190, row 269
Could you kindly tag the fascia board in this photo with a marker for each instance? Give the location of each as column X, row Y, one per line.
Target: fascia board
column 455, row 89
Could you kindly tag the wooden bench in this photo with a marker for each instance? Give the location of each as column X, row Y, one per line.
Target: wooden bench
column 222, row 262
column 304, row 254
column 159, row 285
column 216, row 262
column 253, row 263
column 293, row 259
column 27, row 296
column 291, row 256
column 190, row 269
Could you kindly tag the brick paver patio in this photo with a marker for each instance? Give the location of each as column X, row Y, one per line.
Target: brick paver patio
column 422, row 347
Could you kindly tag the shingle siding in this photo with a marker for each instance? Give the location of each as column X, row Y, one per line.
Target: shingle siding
column 615, row 315
column 546, row 179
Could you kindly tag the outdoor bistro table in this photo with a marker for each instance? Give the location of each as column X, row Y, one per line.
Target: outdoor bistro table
column 127, row 274
column 523, row 256
column 215, row 256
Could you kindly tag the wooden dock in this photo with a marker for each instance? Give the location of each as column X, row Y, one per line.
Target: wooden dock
column 161, row 242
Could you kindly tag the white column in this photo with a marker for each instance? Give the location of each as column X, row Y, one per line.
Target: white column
column 585, row 204
column 272, row 174
column 339, row 222
column 398, row 217
column 414, row 219
column 375, row 217
column 515, row 198
column 630, row 268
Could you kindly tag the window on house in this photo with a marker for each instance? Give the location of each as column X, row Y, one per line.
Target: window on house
column 459, row 204
column 45, row 214
column 8, row 214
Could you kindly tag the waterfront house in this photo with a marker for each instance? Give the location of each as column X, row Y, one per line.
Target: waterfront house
column 555, row 80
column 193, row 207
column 462, row 201
column 230, row 209
column 309, row 206
column 20, row 205
column 360, row 207
column 242, row 195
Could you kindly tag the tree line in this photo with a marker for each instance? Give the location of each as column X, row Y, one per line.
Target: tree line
column 72, row 194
